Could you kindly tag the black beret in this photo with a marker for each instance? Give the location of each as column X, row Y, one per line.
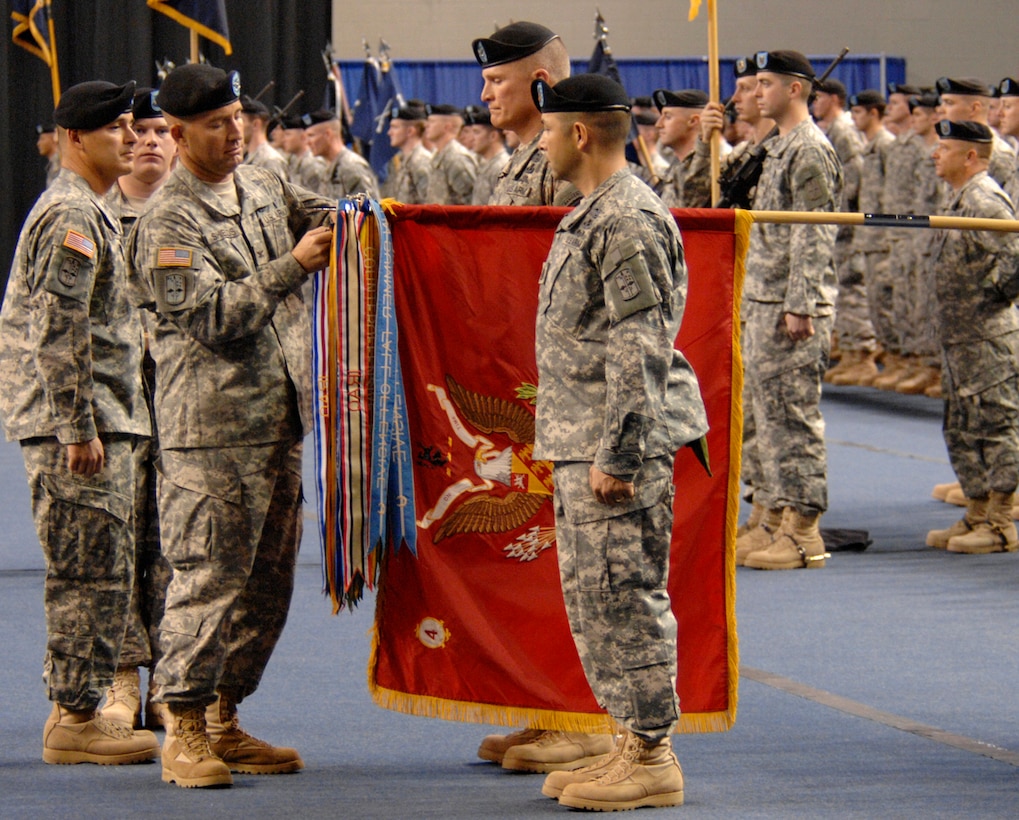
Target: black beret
column 928, row 99
column 687, row 98
column 45, row 128
column 144, row 107
column 322, row 115
column 643, row 102
column 91, row 105
column 512, row 43
column 293, row 122
column 256, row 108
column 871, row 98
column 834, row 87
column 903, row 88
column 442, row 109
column 784, row 62
column 583, row 93
column 407, row 112
column 645, row 118
column 1008, row 88
column 477, row 115
column 744, row 67
column 966, row 131
column 967, row 86
column 195, row 88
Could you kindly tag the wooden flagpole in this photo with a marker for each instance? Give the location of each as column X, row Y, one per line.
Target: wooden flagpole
column 54, row 68
column 962, row 223
column 194, row 45
column 714, row 94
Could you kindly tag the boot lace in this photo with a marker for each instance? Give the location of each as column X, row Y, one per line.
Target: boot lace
column 111, row 728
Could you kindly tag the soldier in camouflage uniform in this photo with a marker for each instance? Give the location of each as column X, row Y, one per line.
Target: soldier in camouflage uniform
column 214, row 261
column 46, row 144
column 510, row 60
column 409, row 182
column 788, row 307
column 967, row 99
column 154, row 157
column 72, row 395
column 679, row 118
column 258, row 151
column 930, row 198
column 347, row 173
column 977, row 279
column 615, row 402
column 712, row 119
column 905, row 155
column 303, row 168
column 454, row 167
column 1009, row 90
column 487, row 143
column 867, row 109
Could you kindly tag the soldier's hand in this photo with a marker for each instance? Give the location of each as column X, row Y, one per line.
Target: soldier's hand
column 312, row 252
column 86, row 458
column 712, row 119
column 608, row 489
column 798, row 328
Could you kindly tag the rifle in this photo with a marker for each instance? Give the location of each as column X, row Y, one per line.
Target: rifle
column 737, row 182
column 280, row 113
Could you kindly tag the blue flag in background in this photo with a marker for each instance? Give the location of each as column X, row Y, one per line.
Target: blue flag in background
column 367, row 105
column 389, row 95
column 32, row 28
column 207, row 17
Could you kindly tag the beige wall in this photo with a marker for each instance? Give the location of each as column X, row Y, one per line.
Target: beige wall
column 971, row 37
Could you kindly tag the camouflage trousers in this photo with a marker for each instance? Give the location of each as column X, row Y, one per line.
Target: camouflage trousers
column 750, row 466
column 908, row 295
column 782, row 397
column 853, row 327
column 151, row 571
column 230, row 524
column 614, row 569
column 880, row 299
column 86, row 529
column 981, row 433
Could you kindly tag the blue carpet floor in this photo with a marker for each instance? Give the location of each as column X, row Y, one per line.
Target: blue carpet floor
column 881, row 686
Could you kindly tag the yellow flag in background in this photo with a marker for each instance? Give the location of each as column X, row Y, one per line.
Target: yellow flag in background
column 695, row 7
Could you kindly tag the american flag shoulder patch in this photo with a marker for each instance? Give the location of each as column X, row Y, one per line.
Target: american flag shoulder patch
column 174, row 257
column 80, row 243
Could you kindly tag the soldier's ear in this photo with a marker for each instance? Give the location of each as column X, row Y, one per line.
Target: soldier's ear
column 541, row 74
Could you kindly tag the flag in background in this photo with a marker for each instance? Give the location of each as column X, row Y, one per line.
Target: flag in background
column 32, row 27
column 473, row 626
column 695, row 7
column 389, row 94
column 602, row 62
column 207, row 17
column 367, row 105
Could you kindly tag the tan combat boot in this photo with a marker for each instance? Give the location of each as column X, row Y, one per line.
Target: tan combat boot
column 797, row 545
column 557, row 751
column 923, row 377
column 956, row 497
column 896, row 369
column 72, row 736
column 756, row 514
column 188, row 759
column 996, row 534
column 976, row 512
column 157, row 716
column 493, row 747
column 240, row 751
column 861, row 373
column 940, row 491
column 557, row 781
column 760, row 537
column 849, row 359
column 645, row 773
column 124, row 698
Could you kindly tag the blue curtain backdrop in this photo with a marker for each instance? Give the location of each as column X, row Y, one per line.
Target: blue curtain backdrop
column 459, row 82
